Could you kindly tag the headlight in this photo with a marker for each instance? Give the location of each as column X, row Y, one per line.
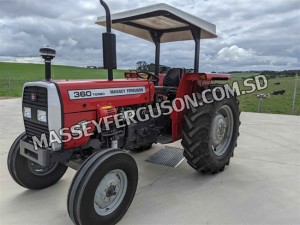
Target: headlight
column 27, row 112
column 42, row 116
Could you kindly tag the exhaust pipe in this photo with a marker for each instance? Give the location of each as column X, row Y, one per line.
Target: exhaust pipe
column 47, row 54
column 109, row 45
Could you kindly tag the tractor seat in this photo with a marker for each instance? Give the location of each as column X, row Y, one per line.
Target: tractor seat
column 171, row 81
column 173, row 77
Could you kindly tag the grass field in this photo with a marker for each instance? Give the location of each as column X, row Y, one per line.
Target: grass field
column 278, row 104
column 14, row 75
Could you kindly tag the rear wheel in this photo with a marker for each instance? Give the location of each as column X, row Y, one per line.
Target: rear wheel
column 103, row 188
column 210, row 134
column 30, row 174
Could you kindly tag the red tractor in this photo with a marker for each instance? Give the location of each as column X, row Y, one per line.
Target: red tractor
column 86, row 124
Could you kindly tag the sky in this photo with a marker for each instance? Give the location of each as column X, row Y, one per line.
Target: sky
column 252, row 34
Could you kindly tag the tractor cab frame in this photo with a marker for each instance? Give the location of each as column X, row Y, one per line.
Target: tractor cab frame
column 158, row 24
column 162, row 23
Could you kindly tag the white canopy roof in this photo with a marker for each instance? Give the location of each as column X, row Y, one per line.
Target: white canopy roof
column 174, row 24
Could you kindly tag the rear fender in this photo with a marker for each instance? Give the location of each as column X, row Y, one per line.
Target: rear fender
column 191, row 83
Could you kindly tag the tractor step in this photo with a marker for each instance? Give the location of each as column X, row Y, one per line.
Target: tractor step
column 167, row 156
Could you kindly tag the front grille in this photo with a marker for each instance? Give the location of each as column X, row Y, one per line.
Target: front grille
column 33, row 127
column 41, row 96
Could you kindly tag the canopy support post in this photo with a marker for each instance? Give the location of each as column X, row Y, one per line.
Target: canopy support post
column 196, row 32
column 156, row 39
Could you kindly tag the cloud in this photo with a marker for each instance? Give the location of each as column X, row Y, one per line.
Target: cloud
column 240, row 58
column 234, row 53
column 68, row 42
column 257, row 34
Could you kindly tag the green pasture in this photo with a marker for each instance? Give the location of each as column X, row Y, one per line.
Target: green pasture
column 14, row 75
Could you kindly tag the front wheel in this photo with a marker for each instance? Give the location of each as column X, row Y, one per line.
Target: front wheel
column 30, row 174
column 103, row 188
column 210, row 134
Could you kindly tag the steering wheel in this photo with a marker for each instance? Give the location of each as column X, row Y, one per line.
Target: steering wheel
column 155, row 80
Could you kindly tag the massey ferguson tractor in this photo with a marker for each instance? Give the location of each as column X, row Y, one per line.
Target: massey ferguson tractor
column 61, row 111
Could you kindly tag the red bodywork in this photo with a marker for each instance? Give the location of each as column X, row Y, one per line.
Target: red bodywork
column 75, row 111
column 191, row 83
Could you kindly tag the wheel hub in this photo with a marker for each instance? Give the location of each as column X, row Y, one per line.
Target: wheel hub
column 39, row 170
column 107, row 190
column 222, row 130
column 110, row 192
column 218, row 129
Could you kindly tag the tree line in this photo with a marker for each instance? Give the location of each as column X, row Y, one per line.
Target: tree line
column 144, row 66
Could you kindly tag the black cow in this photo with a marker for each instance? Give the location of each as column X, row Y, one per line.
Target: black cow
column 281, row 92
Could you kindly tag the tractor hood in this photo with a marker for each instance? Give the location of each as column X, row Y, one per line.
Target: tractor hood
column 87, row 95
column 174, row 24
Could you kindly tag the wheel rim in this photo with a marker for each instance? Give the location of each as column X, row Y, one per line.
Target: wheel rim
column 39, row 170
column 110, row 192
column 222, row 130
